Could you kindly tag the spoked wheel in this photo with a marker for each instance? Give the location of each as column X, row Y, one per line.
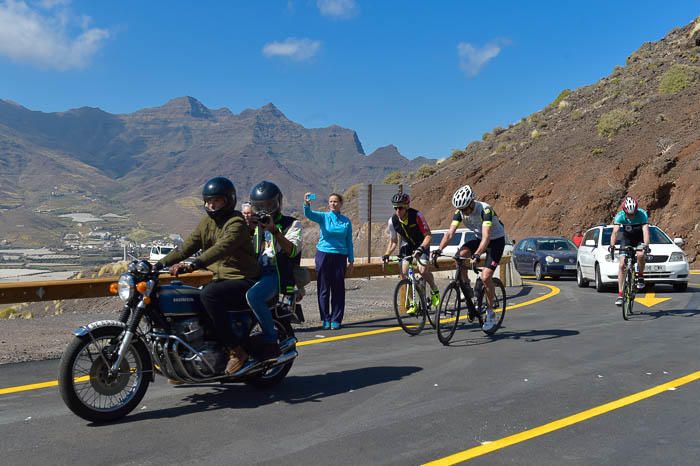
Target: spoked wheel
column 628, row 294
column 499, row 303
column 86, row 385
column 430, row 310
column 447, row 317
column 409, row 306
column 275, row 374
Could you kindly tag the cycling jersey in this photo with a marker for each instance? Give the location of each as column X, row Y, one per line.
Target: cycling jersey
column 483, row 214
column 631, row 228
column 412, row 230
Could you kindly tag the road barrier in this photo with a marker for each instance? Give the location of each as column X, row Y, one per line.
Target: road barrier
column 52, row 290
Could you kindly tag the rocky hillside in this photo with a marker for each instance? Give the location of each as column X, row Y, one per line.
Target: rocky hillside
column 635, row 131
column 153, row 162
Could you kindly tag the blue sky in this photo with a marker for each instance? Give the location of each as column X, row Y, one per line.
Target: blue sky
column 428, row 77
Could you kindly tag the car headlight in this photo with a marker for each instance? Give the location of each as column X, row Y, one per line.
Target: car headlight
column 125, row 286
column 677, row 257
column 549, row 259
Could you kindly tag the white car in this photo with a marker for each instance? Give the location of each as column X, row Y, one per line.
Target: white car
column 159, row 251
column 666, row 263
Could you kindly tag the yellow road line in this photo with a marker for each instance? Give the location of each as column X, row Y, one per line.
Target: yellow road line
column 564, row 422
column 553, row 292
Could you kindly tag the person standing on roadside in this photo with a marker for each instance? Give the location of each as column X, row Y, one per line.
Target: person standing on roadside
column 577, row 238
column 334, row 258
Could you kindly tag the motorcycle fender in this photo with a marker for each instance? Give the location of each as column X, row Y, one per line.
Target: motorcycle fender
column 85, row 329
column 89, row 328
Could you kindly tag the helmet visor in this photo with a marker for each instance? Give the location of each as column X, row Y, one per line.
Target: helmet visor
column 268, row 206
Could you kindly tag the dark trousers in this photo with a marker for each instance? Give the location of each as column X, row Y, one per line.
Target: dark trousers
column 219, row 297
column 330, row 285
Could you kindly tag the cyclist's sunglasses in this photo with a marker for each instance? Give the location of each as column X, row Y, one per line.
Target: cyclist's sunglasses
column 399, row 207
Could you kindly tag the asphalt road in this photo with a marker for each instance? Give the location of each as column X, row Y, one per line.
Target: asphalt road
column 566, row 381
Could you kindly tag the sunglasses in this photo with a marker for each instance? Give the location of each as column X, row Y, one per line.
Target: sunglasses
column 399, row 207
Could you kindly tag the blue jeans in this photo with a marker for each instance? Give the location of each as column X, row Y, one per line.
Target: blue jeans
column 258, row 295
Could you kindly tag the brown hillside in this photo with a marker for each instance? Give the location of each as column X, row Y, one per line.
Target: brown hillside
column 635, row 131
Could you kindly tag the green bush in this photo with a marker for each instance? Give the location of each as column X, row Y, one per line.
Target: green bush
column 535, row 134
column 612, row 122
column 576, row 115
column 486, row 136
column 425, row 171
column 457, row 154
column 501, row 148
column 562, row 95
column 677, row 78
column 597, row 151
column 393, row 178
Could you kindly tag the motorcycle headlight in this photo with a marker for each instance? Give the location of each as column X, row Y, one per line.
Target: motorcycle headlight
column 125, row 286
column 549, row 259
column 677, row 257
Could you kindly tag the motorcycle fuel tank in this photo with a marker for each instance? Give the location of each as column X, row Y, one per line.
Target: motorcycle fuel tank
column 178, row 300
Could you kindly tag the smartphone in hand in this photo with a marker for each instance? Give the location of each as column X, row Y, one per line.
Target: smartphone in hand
column 312, row 197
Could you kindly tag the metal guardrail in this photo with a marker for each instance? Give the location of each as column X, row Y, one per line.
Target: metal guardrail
column 51, row 290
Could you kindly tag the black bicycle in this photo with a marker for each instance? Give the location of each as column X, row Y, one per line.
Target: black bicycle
column 629, row 285
column 411, row 304
column 459, row 293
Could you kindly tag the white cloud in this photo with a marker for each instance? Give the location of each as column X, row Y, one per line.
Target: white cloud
column 293, row 48
column 45, row 39
column 339, row 9
column 472, row 59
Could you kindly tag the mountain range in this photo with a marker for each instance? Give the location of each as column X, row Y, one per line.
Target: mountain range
column 153, row 162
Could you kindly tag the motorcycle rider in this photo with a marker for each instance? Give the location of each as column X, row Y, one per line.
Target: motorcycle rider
column 227, row 251
column 277, row 241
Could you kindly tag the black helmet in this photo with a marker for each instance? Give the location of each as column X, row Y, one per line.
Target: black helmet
column 220, row 186
column 401, row 200
column 266, row 198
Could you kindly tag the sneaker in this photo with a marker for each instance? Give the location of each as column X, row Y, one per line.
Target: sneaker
column 618, row 301
column 335, row 325
column 435, row 299
column 237, row 358
column 411, row 309
column 489, row 321
column 326, row 325
column 640, row 283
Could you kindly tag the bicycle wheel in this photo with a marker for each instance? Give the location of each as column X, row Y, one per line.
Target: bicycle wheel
column 499, row 303
column 628, row 293
column 409, row 306
column 447, row 317
column 430, row 310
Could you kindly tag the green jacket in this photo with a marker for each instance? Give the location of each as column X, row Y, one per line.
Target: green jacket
column 227, row 248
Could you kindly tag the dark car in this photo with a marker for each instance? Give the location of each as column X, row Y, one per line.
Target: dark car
column 552, row 256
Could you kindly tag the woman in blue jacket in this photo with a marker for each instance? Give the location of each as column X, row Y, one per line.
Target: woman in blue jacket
column 334, row 257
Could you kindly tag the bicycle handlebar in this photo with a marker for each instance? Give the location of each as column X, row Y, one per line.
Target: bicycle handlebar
column 458, row 258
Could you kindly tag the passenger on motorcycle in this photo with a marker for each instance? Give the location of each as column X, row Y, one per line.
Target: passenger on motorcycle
column 480, row 219
column 413, row 229
column 227, row 251
column 277, row 243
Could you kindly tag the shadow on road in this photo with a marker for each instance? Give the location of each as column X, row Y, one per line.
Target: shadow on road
column 530, row 336
column 653, row 315
column 294, row 389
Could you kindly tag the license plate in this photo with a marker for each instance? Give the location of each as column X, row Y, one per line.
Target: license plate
column 654, row 268
column 569, row 267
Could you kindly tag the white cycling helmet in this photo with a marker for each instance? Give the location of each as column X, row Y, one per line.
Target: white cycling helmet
column 629, row 205
column 463, row 197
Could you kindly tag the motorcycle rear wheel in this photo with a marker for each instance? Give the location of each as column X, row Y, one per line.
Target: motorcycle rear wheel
column 84, row 382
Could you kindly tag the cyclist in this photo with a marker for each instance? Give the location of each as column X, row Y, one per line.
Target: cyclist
column 634, row 224
column 411, row 226
column 480, row 219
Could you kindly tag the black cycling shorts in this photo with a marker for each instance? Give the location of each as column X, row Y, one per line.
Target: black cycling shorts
column 494, row 251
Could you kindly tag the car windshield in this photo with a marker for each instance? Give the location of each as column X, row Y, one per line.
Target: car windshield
column 656, row 236
column 437, row 237
column 165, row 250
column 555, row 245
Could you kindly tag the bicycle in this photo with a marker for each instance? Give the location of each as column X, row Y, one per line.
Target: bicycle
column 459, row 293
column 410, row 303
column 629, row 285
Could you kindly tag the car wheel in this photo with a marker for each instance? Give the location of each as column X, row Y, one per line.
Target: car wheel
column 599, row 287
column 680, row 286
column 580, row 281
column 539, row 276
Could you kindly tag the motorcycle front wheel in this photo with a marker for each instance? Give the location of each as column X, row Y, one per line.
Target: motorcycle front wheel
column 84, row 381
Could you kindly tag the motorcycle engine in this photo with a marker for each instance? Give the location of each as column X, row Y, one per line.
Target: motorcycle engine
column 191, row 331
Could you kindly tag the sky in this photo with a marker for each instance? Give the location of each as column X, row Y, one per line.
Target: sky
column 428, row 77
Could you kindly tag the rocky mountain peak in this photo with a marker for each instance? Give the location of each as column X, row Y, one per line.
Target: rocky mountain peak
column 182, row 107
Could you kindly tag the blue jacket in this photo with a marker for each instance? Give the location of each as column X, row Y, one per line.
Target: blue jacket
column 336, row 232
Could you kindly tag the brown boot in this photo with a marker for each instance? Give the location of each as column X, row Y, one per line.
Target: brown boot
column 237, row 357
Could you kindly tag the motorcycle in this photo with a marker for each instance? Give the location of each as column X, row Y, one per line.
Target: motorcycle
column 163, row 328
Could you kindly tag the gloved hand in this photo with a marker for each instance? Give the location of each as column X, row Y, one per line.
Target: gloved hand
column 476, row 257
column 180, row 268
column 385, row 258
column 436, row 254
column 419, row 251
column 647, row 249
column 611, row 250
